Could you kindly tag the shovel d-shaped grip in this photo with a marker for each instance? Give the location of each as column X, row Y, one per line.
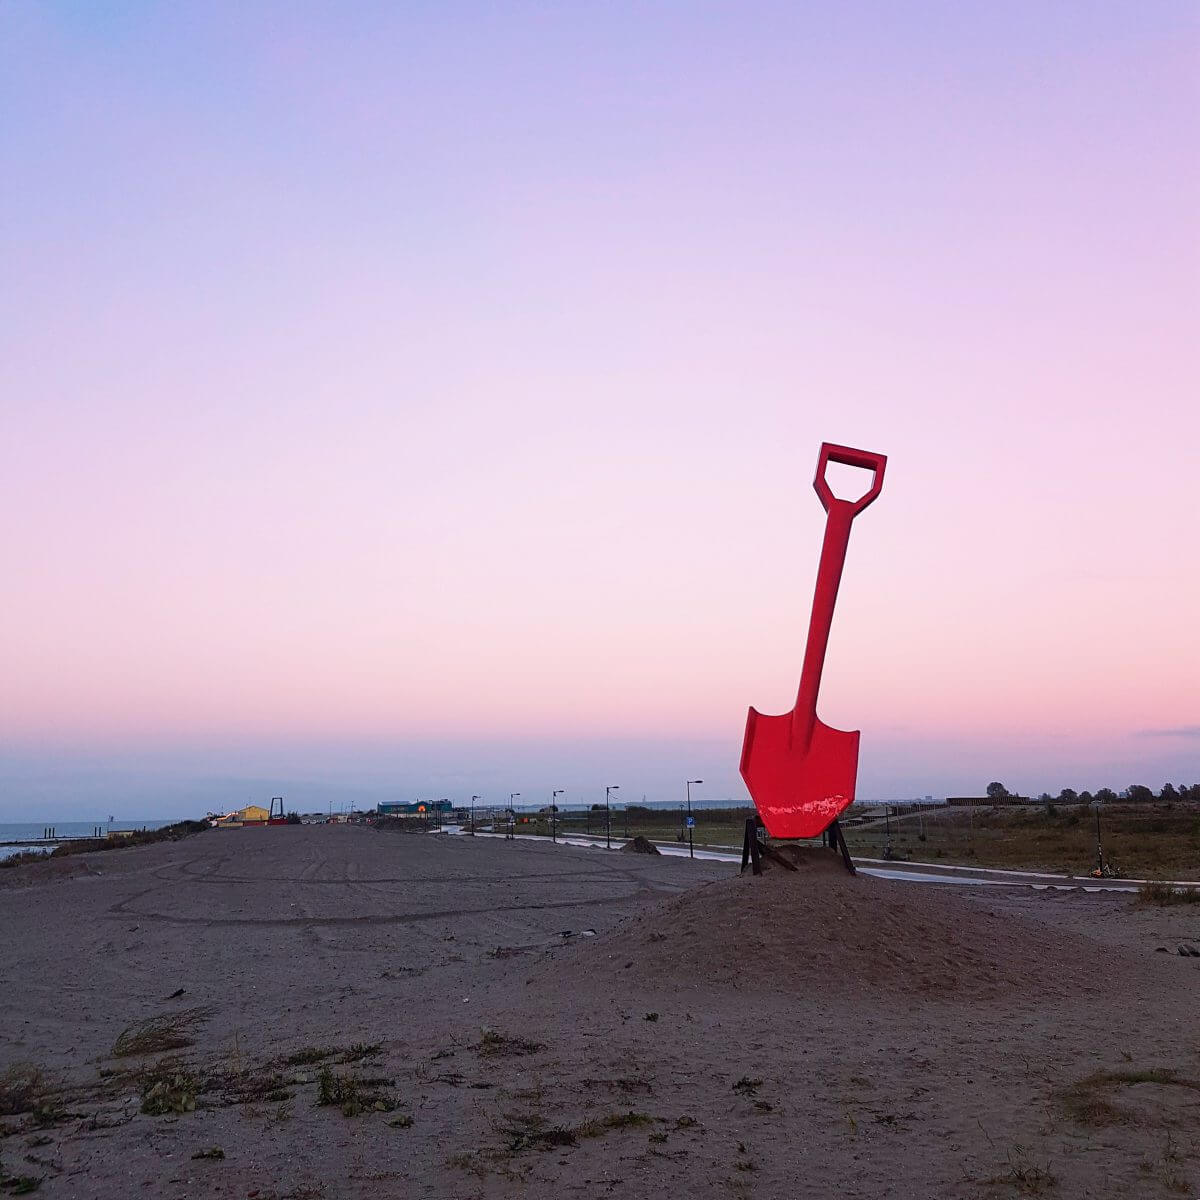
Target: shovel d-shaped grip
column 849, row 458
column 801, row 772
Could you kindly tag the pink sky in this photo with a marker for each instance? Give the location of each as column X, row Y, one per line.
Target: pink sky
column 394, row 396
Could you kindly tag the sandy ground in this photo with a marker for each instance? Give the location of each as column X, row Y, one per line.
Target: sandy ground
column 792, row 1036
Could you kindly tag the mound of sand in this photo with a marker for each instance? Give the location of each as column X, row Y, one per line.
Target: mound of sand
column 821, row 930
column 640, row 845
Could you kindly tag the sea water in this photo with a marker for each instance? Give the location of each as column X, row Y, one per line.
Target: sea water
column 30, row 834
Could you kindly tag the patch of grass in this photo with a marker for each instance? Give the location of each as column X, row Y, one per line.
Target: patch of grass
column 1087, row 1102
column 1162, row 1075
column 308, row 1055
column 360, row 1050
column 245, row 1088
column 156, row 1035
column 482, row 1163
column 46, row 1113
column 1145, row 840
column 533, row 1135
column 625, row 1084
column 1162, row 894
column 1085, row 1107
column 1026, row 1176
column 351, row 1095
column 650, row 1016
column 1174, row 1181
column 404, row 1121
column 747, row 1086
column 333, row 1088
column 497, row 1045
column 529, row 1131
column 20, row 1185
column 211, row 1152
column 24, row 858
column 169, row 1088
column 625, row 1120
column 21, row 1088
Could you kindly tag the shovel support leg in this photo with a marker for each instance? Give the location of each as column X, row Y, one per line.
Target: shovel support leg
column 750, row 848
column 838, row 839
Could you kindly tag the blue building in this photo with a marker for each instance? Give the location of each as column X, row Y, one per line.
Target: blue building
column 413, row 808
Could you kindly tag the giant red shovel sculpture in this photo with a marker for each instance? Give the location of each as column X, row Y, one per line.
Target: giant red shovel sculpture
column 800, row 772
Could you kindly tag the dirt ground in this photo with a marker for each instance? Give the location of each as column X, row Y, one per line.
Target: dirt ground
column 489, row 1018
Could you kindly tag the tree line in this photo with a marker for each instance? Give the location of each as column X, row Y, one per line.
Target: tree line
column 1135, row 793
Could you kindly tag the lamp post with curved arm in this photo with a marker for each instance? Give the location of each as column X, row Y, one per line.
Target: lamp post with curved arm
column 554, row 814
column 615, row 787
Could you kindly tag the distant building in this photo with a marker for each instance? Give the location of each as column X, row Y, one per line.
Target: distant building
column 985, row 801
column 413, row 808
column 252, row 814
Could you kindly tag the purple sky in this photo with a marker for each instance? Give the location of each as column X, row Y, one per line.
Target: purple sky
column 423, row 399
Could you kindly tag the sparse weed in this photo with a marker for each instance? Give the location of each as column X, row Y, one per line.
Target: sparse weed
column 497, row 1045
column 1026, row 1176
column 21, row 1089
column 158, row 1034
column 1162, row 894
column 529, row 1131
column 19, row 1185
column 351, row 1095
column 1087, row 1101
column 169, row 1088
column 309, row 1055
column 625, row 1120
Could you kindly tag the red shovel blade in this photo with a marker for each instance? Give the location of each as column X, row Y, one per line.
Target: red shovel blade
column 801, row 772
column 798, row 791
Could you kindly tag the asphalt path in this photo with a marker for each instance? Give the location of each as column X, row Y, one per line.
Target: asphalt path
column 909, row 872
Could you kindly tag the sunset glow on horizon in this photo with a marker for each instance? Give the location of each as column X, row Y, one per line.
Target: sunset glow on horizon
column 404, row 398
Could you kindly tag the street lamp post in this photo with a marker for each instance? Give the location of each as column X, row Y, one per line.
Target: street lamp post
column 473, row 799
column 1099, row 871
column 554, row 814
column 614, row 787
column 691, row 848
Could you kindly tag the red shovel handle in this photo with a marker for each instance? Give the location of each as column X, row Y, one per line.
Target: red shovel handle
column 829, row 575
column 851, row 458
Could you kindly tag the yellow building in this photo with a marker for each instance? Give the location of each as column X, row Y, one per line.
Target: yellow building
column 253, row 814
